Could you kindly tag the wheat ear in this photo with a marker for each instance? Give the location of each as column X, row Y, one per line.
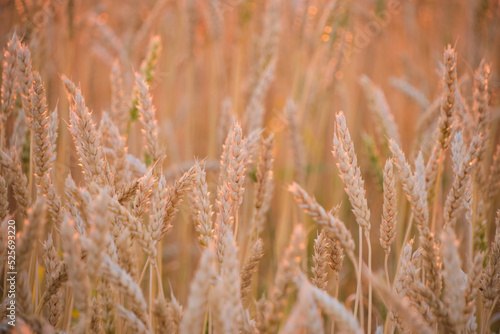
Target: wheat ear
column 192, row 320
column 388, row 225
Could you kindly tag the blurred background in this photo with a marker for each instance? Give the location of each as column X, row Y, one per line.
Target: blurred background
column 218, row 54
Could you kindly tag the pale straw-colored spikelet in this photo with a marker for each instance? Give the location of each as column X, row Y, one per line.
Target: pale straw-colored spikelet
column 482, row 115
column 106, row 33
column 11, row 163
column 389, row 210
column 236, row 168
column 54, row 304
column 123, row 236
column 119, row 278
column 411, row 91
column 4, row 203
column 219, row 322
column 305, row 315
column 226, row 121
column 458, row 150
column 490, row 281
column 230, row 274
column 481, row 97
column 400, row 283
column 158, row 209
column 24, row 250
column 417, row 199
column 175, row 195
column 127, row 191
column 224, row 158
column 320, row 261
column 30, row 233
column 296, row 141
column 107, row 294
column 471, row 326
column 336, row 255
column 132, row 320
column 473, row 284
column 138, row 231
column 250, row 267
column 87, row 141
column 160, row 312
column 18, row 137
column 114, row 148
column 143, row 195
column 25, row 77
column 464, row 162
column 192, row 320
column 70, row 88
column 168, row 315
column 318, row 213
column 288, row 269
column 493, row 185
column 9, row 77
column 224, row 220
column 431, row 262
column 54, row 202
column 344, row 319
column 265, row 184
column 202, row 210
column 343, row 151
column 448, row 97
column 420, row 174
column 53, row 133
column 255, row 108
column 98, row 232
column 175, row 314
column 77, row 271
column 40, row 128
column 96, row 316
column 417, row 196
column 266, row 45
column 77, row 205
column 454, row 280
column 408, row 315
column 148, row 117
column 378, row 105
column 250, row 147
column 118, row 102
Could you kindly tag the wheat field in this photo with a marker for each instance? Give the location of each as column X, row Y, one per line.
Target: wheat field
column 250, row 166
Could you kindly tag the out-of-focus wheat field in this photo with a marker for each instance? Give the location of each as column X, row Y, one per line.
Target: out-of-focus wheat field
column 228, row 111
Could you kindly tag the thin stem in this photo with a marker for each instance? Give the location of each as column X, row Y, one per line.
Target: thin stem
column 31, row 193
column 370, row 291
column 436, row 191
column 487, row 316
column 40, row 304
column 143, row 271
column 235, row 224
column 67, row 318
column 151, row 286
column 359, row 302
column 160, row 283
column 386, row 260
column 335, row 294
column 205, row 320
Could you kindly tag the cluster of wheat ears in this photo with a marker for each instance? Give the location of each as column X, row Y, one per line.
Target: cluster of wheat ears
column 89, row 257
